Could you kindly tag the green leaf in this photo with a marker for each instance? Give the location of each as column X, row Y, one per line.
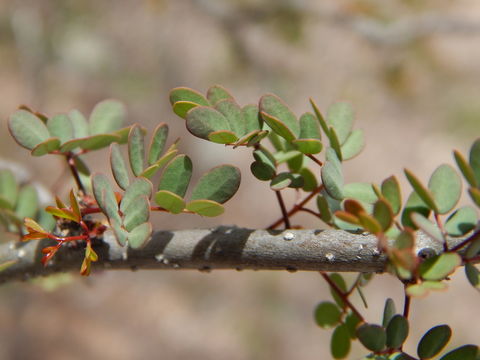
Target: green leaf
column 60, row 127
column 120, row 233
column 202, row 120
column 373, row 337
column 281, row 181
column 176, row 175
column 353, row 145
column 157, row 144
column 8, row 187
column 462, row 221
column 152, row 170
column 181, row 108
column 81, row 166
column 309, row 127
column 208, row 208
column 473, row 249
column 123, row 133
column 391, row 192
column 139, row 187
column 360, row 191
column 342, row 285
column 473, row 275
column 352, row 321
column 475, row 195
column 262, row 171
column 139, row 236
column 383, row 214
column 389, row 312
column 439, row 267
column 285, row 156
column 234, row 115
column 187, row 94
column 332, row 179
column 119, row 168
column 340, row 342
column 414, row 205
column 428, row 227
column 327, row 314
column 474, row 159
column 219, row 184
column 465, row 352
column 422, row 289
column 222, row 137
column 397, row 331
column 107, row 116
column 170, row 201
column 275, row 112
column 79, row 124
column 309, row 180
column 433, row 341
column 253, row 120
column 46, row 220
column 465, row 168
column 137, row 212
column 421, row 190
column 105, row 196
column 340, row 116
column 217, row 93
column 136, row 150
column 46, row 147
column 323, row 208
column 446, row 187
column 308, row 146
column 335, row 143
column 27, row 129
column 27, row 203
column 62, row 213
column 94, row 142
column 320, row 117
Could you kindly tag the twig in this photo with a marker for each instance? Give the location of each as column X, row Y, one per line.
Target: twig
column 286, row 220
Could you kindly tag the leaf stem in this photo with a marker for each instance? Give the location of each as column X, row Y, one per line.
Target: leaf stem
column 342, row 295
column 297, row 207
column 472, row 238
column 74, row 170
column 315, row 160
column 285, row 218
column 406, row 305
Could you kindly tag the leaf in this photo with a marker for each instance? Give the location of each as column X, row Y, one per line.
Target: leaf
column 79, row 124
column 473, row 275
column 181, row 108
column 475, row 195
column 389, row 312
column 353, row 145
column 391, row 192
column 219, row 184
column 208, row 208
column 473, row 249
column 373, row 337
column 252, row 118
column 422, row 289
column 383, row 214
column 360, row 191
column 234, row 115
column 309, row 141
column 335, row 143
column 120, row 233
column 8, row 187
column 202, row 120
column 433, row 341
column 27, row 129
column 107, row 116
column 352, row 321
column 62, row 213
column 474, row 159
column 119, row 168
column 46, row 147
column 397, row 331
column 422, row 191
column 138, row 187
column 342, row 285
column 324, row 209
column 279, row 117
column 332, row 179
column 27, row 203
column 136, row 213
column 81, row 166
column 428, row 227
column 340, row 342
column 465, row 168
column 308, row 146
column 176, row 175
column 157, row 144
column 75, row 206
column 465, row 352
column 439, row 267
column 281, row 181
column 61, row 127
column 217, row 93
column 187, row 94
column 446, row 187
column 136, row 150
column 309, row 180
column 327, row 314
column 222, row 137
column 32, row 225
column 94, row 142
column 340, row 116
column 139, row 236
column 169, row 201
column 105, row 196
column 462, row 221
column 152, row 170
column 414, row 205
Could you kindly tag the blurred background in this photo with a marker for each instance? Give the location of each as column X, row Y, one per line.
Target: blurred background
column 410, row 68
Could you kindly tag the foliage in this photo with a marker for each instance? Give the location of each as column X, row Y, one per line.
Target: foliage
column 283, row 148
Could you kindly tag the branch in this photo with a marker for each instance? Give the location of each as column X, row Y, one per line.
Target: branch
column 218, row 248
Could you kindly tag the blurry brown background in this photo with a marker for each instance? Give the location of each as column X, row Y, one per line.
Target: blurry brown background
column 410, row 69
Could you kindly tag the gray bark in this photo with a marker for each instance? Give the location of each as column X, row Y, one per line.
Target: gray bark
column 218, row 248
